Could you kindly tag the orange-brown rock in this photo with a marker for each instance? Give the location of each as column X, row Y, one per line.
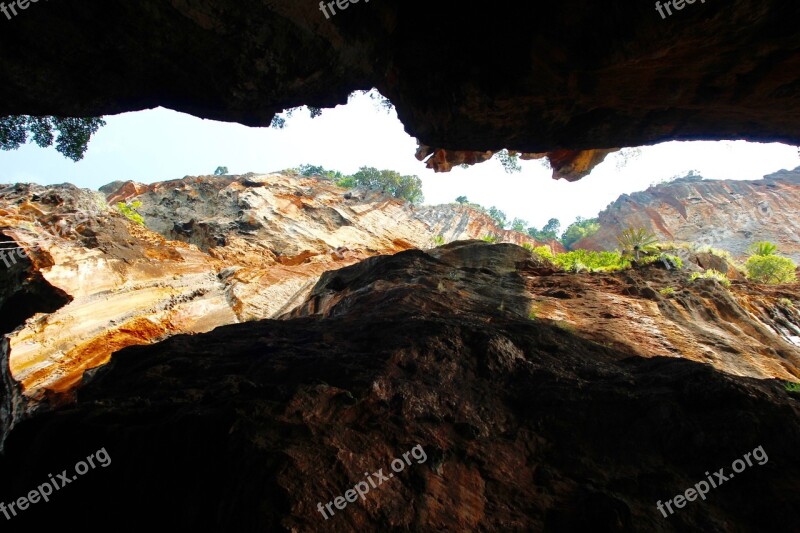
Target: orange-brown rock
column 562, row 422
column 724, row 214
column 214, row 251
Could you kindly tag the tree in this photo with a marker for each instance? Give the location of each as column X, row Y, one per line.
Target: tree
column 509, row 160
column 311, row 170
column 405, row 187
column 462, row 200
column 548, row 233
column 638, row 241
column 73, row 138
column 498, row 216
column 519, row 225
column 763, row 248
column 578, row 230
column 221, row 171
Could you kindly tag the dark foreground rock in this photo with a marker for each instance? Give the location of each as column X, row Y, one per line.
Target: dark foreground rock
column 523, row 425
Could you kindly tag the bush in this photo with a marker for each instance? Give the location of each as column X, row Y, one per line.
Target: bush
column 792, row 387
column 786, row 302
column 578, row 260
column 712, row 274
column 543, row 252
column 493, row 239
column 130, row 211
column 771, row 269
column 438, row 240
column 668, row 291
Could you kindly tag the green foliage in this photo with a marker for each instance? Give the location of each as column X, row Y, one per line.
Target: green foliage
column 711, row 274
column 509, row 160
column 462, row 200
column 771, row 269
column 279, row 120
column 498, row 216
column 543, row 252
column 636, row 242
column 786, row 302
column 221, row 171
column 519, row 225
column 667, row 259
column 346, row 183
column 763, row 248
column 493, row 239
column 129, row 210
column 579, row 260
column 792, row 387
column 674, row 260
column 548, row 233
column 667, row 291
column 578, row 230
column 439, row 240
column 311, row 170
column 404, row 187
column 73, row 133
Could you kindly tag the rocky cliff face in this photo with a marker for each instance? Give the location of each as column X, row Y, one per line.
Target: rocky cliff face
column 81, row 281
column 585, row 414
column 725, row 214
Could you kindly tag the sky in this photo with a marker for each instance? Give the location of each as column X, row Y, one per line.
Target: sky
column 161, row 144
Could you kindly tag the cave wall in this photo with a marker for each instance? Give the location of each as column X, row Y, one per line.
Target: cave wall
column 528, row 76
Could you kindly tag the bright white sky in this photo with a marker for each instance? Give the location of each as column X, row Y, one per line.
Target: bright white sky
column 160, row 145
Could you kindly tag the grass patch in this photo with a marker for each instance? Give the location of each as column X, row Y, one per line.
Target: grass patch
column 712, row 274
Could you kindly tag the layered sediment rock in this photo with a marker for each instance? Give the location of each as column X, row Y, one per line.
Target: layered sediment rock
column 725, row 214
column 213, row 251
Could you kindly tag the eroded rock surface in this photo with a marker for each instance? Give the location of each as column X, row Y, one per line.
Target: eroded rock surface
column 526, row 425
column 725, row 214
column 213, row 251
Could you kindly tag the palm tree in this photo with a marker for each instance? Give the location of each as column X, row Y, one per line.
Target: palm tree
column 640, row 241
column 763, row 248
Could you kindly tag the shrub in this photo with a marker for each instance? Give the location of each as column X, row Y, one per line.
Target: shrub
column 493, row 239
column 578, row 260
column 438, row 240
column 667, row 291
column 543, row 252
column 792, row 387
column 786, row 302
column 771, row 269
column 712, row 274
column 129, row 210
